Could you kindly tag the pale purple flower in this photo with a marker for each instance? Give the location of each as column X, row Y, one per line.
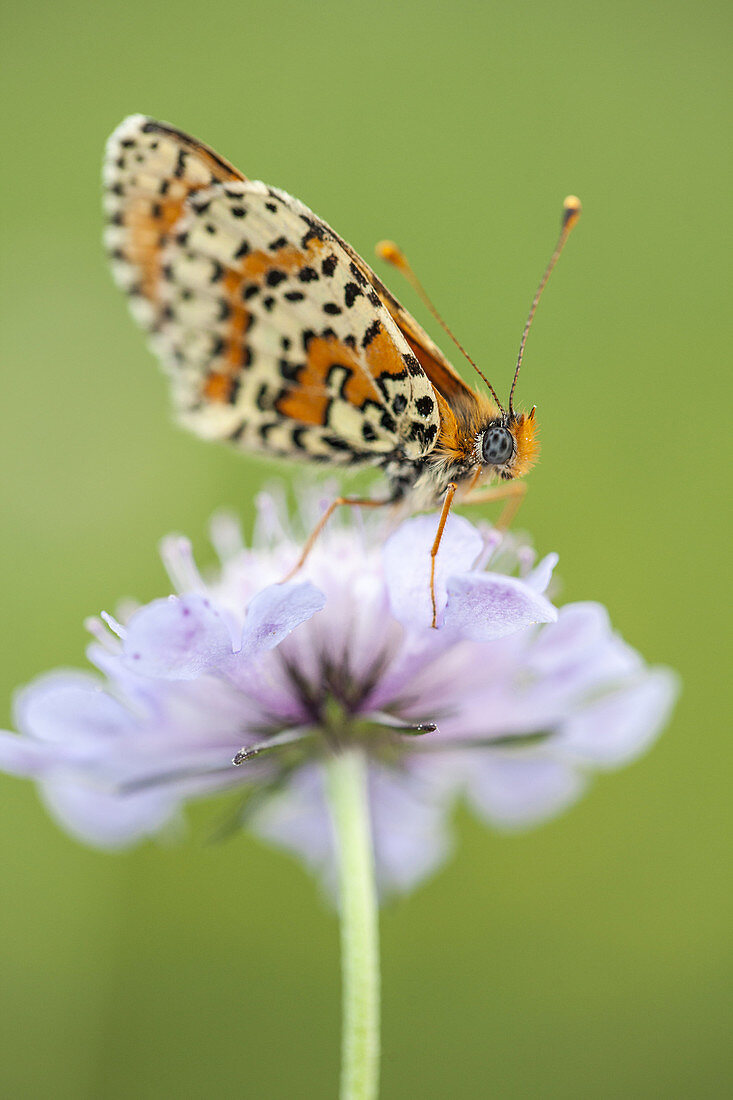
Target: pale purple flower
column 510, row 703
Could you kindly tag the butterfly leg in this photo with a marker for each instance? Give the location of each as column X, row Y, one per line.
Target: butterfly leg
column 512, row 491
column 450, row 493
column 351, row 502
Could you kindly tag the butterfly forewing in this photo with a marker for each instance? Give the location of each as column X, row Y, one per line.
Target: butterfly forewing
column 269, row 327
column 441, row 373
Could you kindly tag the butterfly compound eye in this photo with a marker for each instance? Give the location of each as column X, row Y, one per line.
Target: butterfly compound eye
column 498, row 446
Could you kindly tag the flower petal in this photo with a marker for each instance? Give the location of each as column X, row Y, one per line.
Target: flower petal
column 484, row 606
column 104, row 819
column 519, row 790
column 61, row 707
column 21, row 756
column 276, row 611
column 620, row 726
column 541, row 575
column 406, row 558
column 410, row 827
column 408, row 813
column 176, row 638
column 295, row 817
column 187, row 681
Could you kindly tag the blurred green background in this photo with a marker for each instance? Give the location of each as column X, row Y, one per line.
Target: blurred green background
column 590, row 957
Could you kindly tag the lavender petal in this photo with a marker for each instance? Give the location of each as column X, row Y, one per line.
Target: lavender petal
column 485, row 606
column 406, row 559
column 177, row 638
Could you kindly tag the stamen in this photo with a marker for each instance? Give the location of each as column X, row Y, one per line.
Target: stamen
column 115, row 627
column 225, row 534
column 178, row 561
column 270, row 518
column 101, row 634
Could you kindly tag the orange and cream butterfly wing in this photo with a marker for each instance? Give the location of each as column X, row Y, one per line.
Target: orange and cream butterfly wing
column 270, row 331
column 442, row 374
column 150, row 169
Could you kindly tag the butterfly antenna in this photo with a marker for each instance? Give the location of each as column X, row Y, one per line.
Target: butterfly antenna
column 389, row 251
column 571, row 212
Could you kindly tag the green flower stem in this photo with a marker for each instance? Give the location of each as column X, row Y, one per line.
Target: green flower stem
column 346, row 778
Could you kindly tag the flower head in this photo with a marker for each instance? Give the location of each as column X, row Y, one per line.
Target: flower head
column 509, row 703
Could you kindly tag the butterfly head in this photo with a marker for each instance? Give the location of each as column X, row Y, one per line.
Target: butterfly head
column 508, row 445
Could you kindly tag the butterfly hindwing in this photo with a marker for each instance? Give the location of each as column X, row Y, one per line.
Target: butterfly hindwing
column 272, row 334
column 149, row 171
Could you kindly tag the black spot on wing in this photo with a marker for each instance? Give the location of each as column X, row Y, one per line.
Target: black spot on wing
column 358, row 274
column 351, row 293
column 329, row 264
column 336, row 443
column 371, row 333
column 316, row 231
column 263, row 399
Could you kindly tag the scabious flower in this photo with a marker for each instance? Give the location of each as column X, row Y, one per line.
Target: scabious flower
column 509, row 703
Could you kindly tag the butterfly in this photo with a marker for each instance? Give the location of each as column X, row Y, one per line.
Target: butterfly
column 278, row 337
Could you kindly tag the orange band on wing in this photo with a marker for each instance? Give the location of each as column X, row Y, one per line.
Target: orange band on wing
column 308, row 399
column 383, row 357
column 288, row 259
column 219, row 387
column 147, row 224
